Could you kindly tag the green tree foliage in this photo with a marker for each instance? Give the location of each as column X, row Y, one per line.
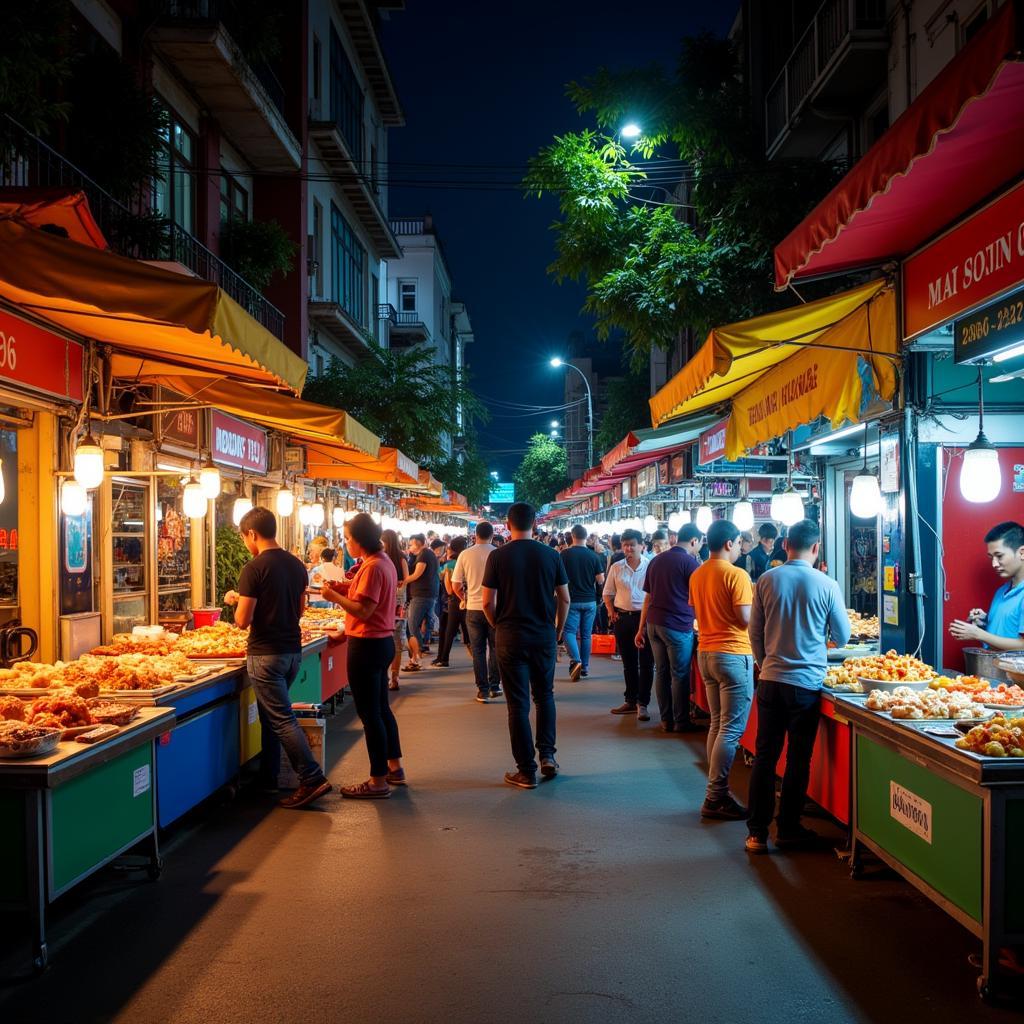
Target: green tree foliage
column 666, row 246
column 543, row 472
column 257, row 249
column 402, row 396
column 627, row 410
column 468, row 474
column 232, row 555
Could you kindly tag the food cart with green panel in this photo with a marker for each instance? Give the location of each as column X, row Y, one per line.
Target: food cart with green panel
column 949, row 821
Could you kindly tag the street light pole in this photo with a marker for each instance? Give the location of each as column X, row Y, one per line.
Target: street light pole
column 590, row 407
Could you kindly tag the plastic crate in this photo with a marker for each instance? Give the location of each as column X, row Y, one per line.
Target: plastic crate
column 602, row 643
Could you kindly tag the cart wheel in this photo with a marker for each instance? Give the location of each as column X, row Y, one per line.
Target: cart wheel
column 155, row 869
column 41, row 960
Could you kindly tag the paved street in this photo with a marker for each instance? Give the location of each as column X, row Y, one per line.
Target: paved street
column 598, row 897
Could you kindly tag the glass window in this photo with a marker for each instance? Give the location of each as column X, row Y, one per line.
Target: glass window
column 9, row 518
column 316, row 72
column 128, row 537
column 173, row 548
column 346, row 98
column 318, row 249
column 234, row 200
column 174, row 186
column 407, row 296
column 348, row 268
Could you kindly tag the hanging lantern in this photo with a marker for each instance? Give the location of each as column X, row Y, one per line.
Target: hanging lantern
column 193, row 501
column 981, row 478
column 743, row 515
column 285, row 501
column 239, row 509
column 777, row 504
column 209, row 480
column 865, row 496
column 650, row 523
column 338, row 517
column 704, row 518
column 791, row 508
column 317, row 513
column 678, row 519
column 73, row 498
column 88, row 468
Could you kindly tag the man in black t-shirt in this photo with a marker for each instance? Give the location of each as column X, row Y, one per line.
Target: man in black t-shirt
column 585, row 571
column 761, row 556
column 526, row 599
column 422, row 587
column 270, row 600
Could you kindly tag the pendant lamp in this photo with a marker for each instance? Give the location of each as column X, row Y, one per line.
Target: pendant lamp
column 981, row 478
column 73, row 497
column 88, row 465
column 193, row 501
column 285, row 501
column 865, row 494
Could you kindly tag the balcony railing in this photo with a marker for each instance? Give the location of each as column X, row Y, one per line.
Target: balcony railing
column 141, row 233
column 831, row 27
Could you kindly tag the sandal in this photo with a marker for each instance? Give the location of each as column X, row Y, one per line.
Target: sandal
column 393, row 685
column 364, row 791
column 411, row 667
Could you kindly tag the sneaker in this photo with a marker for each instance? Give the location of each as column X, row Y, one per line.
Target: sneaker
column 800, row 837
column 482, row 697
column 624, row 709
column 548, row 767
column 496, row 693
column 584, row 673
column 305, row 795
column 726, row 809
column 756, row 844
column 575, row 670
column 521, row 779
column 439, row 664
column 616, row 657
column 642, row 714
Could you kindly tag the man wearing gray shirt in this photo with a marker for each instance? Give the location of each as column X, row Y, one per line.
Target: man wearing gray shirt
column 794, row 607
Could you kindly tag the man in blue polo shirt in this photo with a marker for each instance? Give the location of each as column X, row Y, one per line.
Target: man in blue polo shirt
column 1002, row 628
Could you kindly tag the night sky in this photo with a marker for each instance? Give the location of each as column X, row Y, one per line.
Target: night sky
column 481, row 87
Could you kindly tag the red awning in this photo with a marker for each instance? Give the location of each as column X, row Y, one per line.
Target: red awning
column 955, row 145
column 56, row 210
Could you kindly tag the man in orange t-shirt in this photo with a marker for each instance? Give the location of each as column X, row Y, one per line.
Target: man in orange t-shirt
column 721, row 595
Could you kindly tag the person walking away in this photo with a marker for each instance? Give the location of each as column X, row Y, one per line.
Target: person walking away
column 624, row 598
column 721, row 594
column 526, row 600
column 795, row 608
column 761, row 556
column 467, row 582
column 421, row 586
column 456, row 607
column 585, row 572
column 393, row 549
column 666, row 623
column 269, row 602
column 369, row 601
column 438, row 620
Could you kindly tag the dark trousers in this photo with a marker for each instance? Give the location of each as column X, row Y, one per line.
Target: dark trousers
column 783, row 712
column 455, row 619
column 481, row 644
column 369, row 664
column 637, row 662
column 528, row 668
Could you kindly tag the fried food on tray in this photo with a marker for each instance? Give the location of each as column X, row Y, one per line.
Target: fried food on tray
column 221, row 640
column 905, row 703
column 19, row 736
column 891, row 668
column 12, row 709
column 127, row 643
column 1001, row 737
column 839, row 677
column 963, row 684
column 29, row 675
column 1007, row 694
column 863, row 625
column 65, row 706
column 109, row 713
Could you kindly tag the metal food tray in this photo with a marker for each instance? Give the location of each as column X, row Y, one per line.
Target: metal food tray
column 1009, row 710
column 202, row 672
column 1013, row 667
column 45, row 746
column 888, row 686
column 227, row 659
column 138, row 696
column 27, row 692
column 934, row 721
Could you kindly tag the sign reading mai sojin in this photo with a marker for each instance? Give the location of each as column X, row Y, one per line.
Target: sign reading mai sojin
column 238, row 444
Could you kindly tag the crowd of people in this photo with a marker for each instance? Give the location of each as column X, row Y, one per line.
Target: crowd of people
column 517, row 600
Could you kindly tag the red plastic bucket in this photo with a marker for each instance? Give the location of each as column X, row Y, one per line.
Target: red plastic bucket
column 205, row 616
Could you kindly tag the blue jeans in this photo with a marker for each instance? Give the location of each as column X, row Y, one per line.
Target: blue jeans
column 418, row 618
column 528, row 670
column 729, row 681
column 580, row 620
column 481, row 643
column 673, row 652
column 271, row 675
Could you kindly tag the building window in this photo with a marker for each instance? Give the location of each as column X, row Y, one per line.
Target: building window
column 319, row 368
column 346, row 98
column 318, row 249
column 174, row 194
column 317, row 71
column 234, row 200
column 407, row 296
column 348, row 268
column 374, row 299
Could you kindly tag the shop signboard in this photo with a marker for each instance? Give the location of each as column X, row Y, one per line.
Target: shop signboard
column 980, row 258
column 663, row 476
column 295, row 459
column 677, row 468
column 724, row 489
column 181, row 425
column 646, row 480
column 236, row 443
column 712, row 442
column 502, row 492
column 992, row 329
column 39, row 360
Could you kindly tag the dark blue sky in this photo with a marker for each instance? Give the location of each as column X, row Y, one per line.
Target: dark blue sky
column 480, row 85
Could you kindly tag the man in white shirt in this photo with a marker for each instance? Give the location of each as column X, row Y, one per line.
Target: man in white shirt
column 467, row 582
column 623, row 595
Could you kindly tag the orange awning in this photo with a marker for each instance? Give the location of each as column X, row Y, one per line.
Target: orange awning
column 155, row 321
column 389, row 469
column 54, row 208
column 436, row 505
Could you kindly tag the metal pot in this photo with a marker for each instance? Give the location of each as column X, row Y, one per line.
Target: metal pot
column 982, row 661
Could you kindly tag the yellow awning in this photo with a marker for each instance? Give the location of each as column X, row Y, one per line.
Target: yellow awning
column 154, row 320
column 735, row 356
column 390, row 469
column 306, row 421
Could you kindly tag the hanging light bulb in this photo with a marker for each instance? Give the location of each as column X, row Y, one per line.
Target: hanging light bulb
column 239, row 509
column 704, row 518
column 865, row 494
column 88, row 467
column 73, row 497
column 317, row 514
column 650, row 523
column 678, row 519
column 193, row 501
column 981, row 478
column 791, row 508
column 743, row 515
column 209, row 480
column 777, row 504
column 338, row 517
column 285, row 501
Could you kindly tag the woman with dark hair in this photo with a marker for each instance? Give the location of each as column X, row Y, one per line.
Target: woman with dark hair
column 369, row 601
column 393, row 549
column 456, row 618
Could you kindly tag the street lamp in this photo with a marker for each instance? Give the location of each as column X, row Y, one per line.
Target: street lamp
column 556, row 362
column 631, row 131
column 554, row 424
